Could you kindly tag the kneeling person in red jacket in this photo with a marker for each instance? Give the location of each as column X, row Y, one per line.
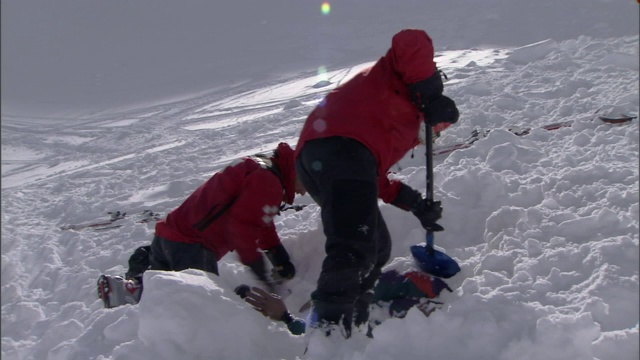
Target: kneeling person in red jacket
column 232, row 211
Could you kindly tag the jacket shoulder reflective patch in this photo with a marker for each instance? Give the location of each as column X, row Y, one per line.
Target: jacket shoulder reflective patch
column 269, row 213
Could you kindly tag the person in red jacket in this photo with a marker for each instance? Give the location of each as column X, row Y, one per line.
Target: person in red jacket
column 345, row 150
column 232, row 211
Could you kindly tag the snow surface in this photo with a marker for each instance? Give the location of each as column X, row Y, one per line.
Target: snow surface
column 544, row 226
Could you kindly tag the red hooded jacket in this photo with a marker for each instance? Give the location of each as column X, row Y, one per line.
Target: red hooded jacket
column 375, row 107
column 234, row 209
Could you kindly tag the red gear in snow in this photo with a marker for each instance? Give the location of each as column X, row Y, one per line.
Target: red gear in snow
column 234, row 209
column 375, row 107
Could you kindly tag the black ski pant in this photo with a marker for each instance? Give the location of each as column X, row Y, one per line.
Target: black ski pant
column 341, row 175
column 171, row 255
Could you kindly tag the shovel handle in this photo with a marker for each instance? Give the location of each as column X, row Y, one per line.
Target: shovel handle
column 430, row 237
column 429, row 156
column 433, row 262
column 429, row 165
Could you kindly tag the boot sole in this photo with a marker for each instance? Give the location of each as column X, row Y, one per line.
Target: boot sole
column 104, row 290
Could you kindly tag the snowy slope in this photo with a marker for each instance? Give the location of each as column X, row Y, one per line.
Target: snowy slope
column 545, row 226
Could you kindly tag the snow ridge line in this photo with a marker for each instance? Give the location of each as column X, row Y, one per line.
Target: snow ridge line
column 478, row 134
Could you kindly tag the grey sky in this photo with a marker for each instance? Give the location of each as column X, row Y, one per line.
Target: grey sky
column 92, row 55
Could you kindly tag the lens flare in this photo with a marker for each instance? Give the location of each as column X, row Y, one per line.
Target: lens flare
column 322, row 77
column 325, row 8
column 322, row 73
column 319, row 125
column 316, row 165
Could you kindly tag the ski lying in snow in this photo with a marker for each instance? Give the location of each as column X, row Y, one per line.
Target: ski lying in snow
column 623, row 118
column 115, row 221
column 478, row 134
column 614, row 114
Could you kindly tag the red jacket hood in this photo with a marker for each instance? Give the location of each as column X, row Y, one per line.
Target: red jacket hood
column 284, row 160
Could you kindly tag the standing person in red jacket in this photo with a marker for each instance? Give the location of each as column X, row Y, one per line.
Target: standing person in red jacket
column 345, row 150
column 232, row 211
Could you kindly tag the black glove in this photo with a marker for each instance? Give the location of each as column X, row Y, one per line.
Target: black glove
column 285, row 271
column 437, row 108
column 428, row 212
column 259, row 269
column 282, row 266
column 242, row 290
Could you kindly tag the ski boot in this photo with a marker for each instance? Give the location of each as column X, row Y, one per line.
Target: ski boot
column 148, row 216
column 116, row 291
column 329, row 318
column 116, row 215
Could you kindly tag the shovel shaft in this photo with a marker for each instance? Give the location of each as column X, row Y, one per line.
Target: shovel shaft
column 430, row 260
column 429, row 156
column 429, row 166
column 429, row 238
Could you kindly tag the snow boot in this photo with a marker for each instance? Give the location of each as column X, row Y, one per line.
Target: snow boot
column 361, row 308
column 116, row 291
column 138, row 263
column 329, row 318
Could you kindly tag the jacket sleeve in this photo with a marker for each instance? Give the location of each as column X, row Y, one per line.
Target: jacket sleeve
column 388, row 189
column 252, row 214
column 412, row 54
column 269, row 237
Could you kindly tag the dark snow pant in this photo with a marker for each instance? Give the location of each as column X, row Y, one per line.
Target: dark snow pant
column 171, row 255
column 341, row 175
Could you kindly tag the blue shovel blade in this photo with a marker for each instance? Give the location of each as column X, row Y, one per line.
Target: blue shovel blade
column 434, row 262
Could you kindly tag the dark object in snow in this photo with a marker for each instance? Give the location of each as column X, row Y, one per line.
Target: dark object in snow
column 321, row 84
column 242, row 290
